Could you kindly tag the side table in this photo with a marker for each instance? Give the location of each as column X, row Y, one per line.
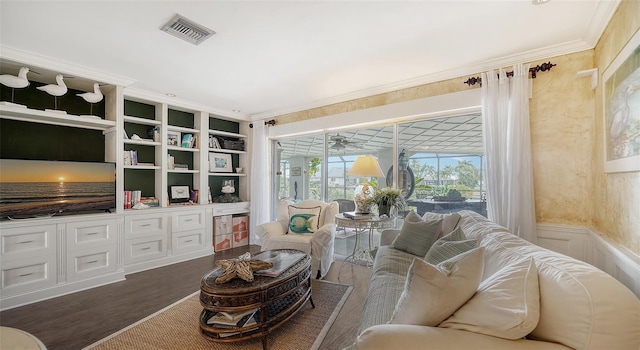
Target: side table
column 361, row 225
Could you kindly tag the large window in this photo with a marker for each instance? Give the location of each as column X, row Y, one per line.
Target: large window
column 440, row 163
column 445, row 156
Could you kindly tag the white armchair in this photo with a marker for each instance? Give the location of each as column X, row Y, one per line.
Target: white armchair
column 319, row 244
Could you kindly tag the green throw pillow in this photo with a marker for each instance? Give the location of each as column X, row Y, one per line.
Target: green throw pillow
column 417, row 236
column 304, row 220
column 302, row 223
column 449, row 246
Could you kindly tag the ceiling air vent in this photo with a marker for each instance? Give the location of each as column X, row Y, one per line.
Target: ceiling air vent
column 187, row 30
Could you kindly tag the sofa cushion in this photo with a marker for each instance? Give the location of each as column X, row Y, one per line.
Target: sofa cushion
column 416, row 235
column 449, row 221
column 447, row 247
column 506, row 305
column 304, row 220
column 433, row 292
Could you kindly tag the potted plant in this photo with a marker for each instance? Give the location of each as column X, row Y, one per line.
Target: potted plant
column 387, row 198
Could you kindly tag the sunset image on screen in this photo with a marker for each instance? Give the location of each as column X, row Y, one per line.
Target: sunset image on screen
column 35, row 171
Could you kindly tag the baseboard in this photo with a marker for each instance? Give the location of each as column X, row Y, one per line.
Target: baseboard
column 59, row 290
column 589, row 245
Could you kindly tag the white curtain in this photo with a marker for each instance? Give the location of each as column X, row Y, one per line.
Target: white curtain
column 507, row 147
column 259, row 178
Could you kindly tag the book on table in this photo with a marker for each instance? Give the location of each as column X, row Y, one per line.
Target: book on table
column 357, row 216
column 232, row 320
column 281, row 261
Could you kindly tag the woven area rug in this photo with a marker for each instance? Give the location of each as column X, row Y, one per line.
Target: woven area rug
column 176, row 326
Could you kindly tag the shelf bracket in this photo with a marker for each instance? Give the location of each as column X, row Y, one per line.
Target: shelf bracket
column 593, row 72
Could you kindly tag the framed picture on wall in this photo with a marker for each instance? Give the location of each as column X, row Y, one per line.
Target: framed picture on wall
column 621, row 115
column 220, row 163
column 296, row 171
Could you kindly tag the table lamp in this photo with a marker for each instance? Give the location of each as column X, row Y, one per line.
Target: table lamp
column 364, row 166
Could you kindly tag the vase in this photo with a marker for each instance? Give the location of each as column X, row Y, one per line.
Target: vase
column 384, row 208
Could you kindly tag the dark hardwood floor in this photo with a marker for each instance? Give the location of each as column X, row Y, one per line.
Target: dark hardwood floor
column 76, row 320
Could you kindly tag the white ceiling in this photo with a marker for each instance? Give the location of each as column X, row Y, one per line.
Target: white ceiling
column 274, row 57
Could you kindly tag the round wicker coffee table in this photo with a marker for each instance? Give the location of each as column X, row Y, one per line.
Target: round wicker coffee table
column 238, row 310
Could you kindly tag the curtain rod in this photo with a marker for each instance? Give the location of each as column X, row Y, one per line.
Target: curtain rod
column 533, row 70
column 271, row 122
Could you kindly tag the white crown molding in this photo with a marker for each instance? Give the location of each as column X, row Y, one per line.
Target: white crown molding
column 181, row 103
column 600, row 20
column 505, row 61
column 38, row 61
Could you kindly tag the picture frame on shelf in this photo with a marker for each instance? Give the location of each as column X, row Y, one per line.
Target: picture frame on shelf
column 173, row 138
column 220, row 163
column 179, row 194
column 621, row 110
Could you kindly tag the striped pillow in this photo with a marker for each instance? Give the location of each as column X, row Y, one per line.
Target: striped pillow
column 449, row 246
column 417, row 236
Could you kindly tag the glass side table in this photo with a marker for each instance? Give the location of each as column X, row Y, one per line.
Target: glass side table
column 361, row 226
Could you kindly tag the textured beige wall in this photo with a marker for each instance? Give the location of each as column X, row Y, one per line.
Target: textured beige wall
column 566, row 134
column 617, row 213
column 561, row 117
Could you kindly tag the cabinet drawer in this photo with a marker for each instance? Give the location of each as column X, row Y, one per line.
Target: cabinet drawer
column 145, row 225
column 143, row 249
column 188, row 221
column 90, row 263
column 24, row 275
column 231, row 208
column 188, row 241
column 28, row 241
column 82, row 235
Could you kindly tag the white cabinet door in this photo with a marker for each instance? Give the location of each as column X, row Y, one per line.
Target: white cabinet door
column 88, row 263
column 30, row 241
column 145, row 225
column 189, row 220
column 91, row 234
column 145, row 248
column 187, row 241
column 28, row 274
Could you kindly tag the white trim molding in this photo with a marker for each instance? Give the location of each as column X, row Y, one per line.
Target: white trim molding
column 591, row 246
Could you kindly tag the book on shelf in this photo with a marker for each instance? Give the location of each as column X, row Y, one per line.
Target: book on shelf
column 131, row 157
column 213, row 142
column 146, row 164
column 178, row 166
column 187, row 141
column 282, row 261
column 127, row 158
column 357, row 216
column 150, row 201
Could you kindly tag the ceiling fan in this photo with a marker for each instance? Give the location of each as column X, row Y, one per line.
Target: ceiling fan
column 339, row 142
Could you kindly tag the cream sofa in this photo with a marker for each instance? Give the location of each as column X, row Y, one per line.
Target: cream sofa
column 580, row 307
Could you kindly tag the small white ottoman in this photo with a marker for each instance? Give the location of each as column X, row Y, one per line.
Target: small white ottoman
column 15, row 339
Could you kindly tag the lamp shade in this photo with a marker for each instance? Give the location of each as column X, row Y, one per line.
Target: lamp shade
column 365, row 166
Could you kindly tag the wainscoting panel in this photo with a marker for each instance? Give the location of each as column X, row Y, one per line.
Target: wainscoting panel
column 589, row 245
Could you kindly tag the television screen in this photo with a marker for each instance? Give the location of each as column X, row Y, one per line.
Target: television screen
column 34, row 188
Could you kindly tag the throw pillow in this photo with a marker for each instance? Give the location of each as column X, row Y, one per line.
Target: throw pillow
column 416, row 236
column 449, row 246
column 303, row 220
column 433, row 292
column 449, row 221
column 506, row 305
